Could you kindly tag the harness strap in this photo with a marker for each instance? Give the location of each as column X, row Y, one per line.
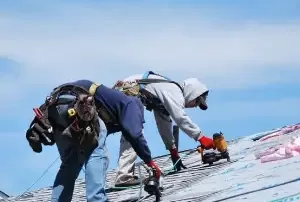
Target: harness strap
column 145, row 80
column 148, row 99
column 72, row 89
column 93, row 88
column 57, row 96
column 146, row 76
column 69, row 89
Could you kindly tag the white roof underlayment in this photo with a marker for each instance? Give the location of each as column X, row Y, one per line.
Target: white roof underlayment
column 246, row 179
column 254, row 181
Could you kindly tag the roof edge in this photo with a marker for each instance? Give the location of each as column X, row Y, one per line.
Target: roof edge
column 3, row 195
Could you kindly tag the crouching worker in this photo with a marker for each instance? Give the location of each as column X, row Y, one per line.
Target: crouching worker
column 77, row 117
column 168, row 100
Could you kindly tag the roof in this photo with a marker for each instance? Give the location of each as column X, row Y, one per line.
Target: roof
column 3, row 195
column 246, row 178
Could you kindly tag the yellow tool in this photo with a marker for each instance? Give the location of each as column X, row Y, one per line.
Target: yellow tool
column 220, row 142
column 221, row 145
column 200, row 150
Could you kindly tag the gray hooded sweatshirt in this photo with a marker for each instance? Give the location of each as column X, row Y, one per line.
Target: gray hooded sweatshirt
column 174, row 101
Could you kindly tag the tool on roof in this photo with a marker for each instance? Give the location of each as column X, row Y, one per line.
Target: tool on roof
column 221, row 145
column 152, row 184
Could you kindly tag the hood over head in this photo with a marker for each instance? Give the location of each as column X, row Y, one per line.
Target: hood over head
column 192, row 89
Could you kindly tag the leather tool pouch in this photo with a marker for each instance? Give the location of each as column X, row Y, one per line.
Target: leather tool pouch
column 40, row 131
column 85, row 127
column 151, row 102
column 84, row 135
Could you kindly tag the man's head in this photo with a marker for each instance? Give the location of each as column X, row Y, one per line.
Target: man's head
column 195, row 93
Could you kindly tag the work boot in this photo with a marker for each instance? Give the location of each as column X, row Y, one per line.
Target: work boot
column 177, row 163
column 130, row 182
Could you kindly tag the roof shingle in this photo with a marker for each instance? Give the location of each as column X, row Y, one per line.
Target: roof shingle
column 201, row 182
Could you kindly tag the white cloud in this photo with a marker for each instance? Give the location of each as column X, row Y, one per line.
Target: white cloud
column 74, row 41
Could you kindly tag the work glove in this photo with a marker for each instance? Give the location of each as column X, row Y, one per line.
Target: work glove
column 153, row 183
column 34, row 140
column 207, row 143
column 155, row 169
column 40, row 132
column 176, row 160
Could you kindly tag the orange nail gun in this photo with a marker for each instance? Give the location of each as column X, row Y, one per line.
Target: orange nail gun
column 221, row 145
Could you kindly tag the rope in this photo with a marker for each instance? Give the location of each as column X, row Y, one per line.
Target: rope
column 38, row 178
column 141, row 183
column 166, row 172
column 121, row 188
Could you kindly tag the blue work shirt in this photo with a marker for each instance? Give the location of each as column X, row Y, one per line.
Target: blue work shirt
column 126, row 115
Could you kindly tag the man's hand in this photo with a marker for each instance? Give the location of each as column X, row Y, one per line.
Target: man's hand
column 176, row 160
column 42, row 126
column 34, row 140
column 40, row 132
column 207, row 143
column 156, row 170
column 152, row 184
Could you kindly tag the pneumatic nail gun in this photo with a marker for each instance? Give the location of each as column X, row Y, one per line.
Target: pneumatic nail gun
column 221, row 145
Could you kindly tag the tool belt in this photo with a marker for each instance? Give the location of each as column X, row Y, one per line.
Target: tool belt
column 150, row 101
column 83, row 134
column 40, row 130
column 83, row 125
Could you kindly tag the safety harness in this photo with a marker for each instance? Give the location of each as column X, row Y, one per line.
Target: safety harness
column 137, row 88
column 82, row 125
column 69, row 89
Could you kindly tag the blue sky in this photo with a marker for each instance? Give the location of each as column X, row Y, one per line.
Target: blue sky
column 247, row 52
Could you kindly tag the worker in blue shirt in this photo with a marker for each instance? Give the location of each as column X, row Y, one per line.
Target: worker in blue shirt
column 78, row 116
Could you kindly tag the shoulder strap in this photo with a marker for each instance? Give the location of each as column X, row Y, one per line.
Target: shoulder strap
column 69, row 89
column 145, row 80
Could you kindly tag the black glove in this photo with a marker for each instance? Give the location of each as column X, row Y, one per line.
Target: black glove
column 176, row 160
column 34, row 140
column 40, row 132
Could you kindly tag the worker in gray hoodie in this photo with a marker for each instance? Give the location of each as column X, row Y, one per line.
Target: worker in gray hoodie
column 167, row 99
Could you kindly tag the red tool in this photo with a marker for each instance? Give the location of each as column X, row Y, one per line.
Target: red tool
column 40, row 115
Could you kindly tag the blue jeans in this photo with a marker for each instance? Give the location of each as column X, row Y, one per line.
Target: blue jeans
column 96, row 166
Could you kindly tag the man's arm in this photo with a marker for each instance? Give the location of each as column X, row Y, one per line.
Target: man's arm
column 174, row 104
column 132, row 120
